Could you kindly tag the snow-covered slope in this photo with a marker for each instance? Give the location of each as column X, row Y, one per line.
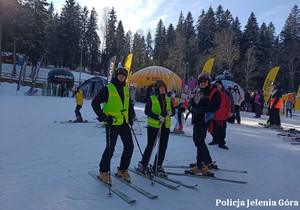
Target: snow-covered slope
column 44, row 165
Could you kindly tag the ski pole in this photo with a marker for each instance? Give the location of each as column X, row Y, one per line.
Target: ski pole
column 109, row 174
column 158, row 147
column 156, row 139
column 136, row 140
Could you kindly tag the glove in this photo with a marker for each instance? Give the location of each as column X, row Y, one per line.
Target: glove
column 109, row 120
column 161, row 119
column 180, row 127
column 169, row 113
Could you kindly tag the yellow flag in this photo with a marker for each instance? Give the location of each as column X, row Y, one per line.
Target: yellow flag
column 127, row 65
column 297, row 104
column 208, row 66
column 268, row 82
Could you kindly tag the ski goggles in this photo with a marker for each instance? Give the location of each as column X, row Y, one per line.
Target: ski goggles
column 123, row 71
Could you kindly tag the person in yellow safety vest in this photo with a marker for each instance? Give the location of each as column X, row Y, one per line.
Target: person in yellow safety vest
column 159, row 110
column 276, row 103
column 117, row 114
column 79, row 103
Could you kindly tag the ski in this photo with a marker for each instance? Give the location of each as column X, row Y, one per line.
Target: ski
column 155, row 180
column 179, row 182
column 181, row 134
column 140, row 190
column 71, row 122
column 295, row 143
column 122, row 195
column 207, row 177
column 219, row 169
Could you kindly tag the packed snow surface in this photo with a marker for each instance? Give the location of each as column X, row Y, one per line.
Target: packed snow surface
column 44, row 164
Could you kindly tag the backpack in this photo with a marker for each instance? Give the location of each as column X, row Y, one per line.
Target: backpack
column 222, row 113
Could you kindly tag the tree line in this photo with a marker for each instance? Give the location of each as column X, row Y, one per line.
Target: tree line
column 78, row 37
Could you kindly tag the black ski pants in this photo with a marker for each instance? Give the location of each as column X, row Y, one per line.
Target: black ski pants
column 162, row 142
column 111, row 140
column 199, row 135
column 237, row 110
column 77, row 112
column 275, row 117
column 257, row 110
column 219, row 131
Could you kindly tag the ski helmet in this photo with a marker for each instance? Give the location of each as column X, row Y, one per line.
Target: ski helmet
column 158, row 84
column 204, row 77
column 122, row 71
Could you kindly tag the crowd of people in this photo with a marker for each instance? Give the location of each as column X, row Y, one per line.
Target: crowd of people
column 212, row 106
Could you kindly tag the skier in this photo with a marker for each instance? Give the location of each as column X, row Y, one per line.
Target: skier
column 202, row 108
column 159, row 110
column 238, row 98
column 288, row 107
column 79, row 102
column 276, row 104
column 116, row 114
column 225, row 111
column 180, row 109
column 257, row 104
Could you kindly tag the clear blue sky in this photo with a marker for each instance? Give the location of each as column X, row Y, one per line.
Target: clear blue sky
column 145, row 14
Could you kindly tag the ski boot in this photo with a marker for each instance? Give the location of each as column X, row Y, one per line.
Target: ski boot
column 104, row 177
column 202, row 170
column 144, row 170
column 180, row 129
column 160, row 172
column 176, row 131
column 212, row 166
column 124, row 175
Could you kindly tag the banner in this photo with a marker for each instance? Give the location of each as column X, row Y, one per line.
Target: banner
column 297, row 104
column 208, row 66
column 268, row 82
column 127, row 65
column 111, row 68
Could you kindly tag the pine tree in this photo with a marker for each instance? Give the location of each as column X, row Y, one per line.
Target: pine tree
column 190, row 41
column 70, row 33
column 175, row 60
column 290, row 36
column 93, row 42
column 121, row 41
column 251, row 38
column 206, row 29
column 111, row 42
column 149, row 50
column 139, row 51
column 160, row 51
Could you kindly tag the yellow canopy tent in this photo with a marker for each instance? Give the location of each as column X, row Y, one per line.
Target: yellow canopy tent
column 149, row 75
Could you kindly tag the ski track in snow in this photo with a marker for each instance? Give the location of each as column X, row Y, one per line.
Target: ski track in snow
column 44, row 165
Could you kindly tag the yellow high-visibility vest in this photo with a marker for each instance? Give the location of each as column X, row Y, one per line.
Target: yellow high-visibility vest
column 157, row 110
column 115, row 106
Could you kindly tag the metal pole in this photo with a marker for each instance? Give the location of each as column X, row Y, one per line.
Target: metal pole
column 136, row 140
column 80, row 64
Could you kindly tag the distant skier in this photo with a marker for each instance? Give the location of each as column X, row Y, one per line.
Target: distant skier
column 79, row 102
column 238, row 98
column 117, row 115
column 276, row 103
column 180, row 120
column 159, row 110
